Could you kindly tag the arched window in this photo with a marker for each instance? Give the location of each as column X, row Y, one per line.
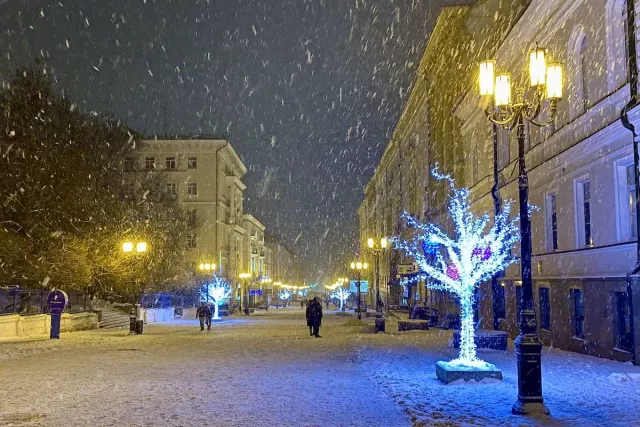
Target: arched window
column 584, row 73
column 617, row 31
column 578, row 72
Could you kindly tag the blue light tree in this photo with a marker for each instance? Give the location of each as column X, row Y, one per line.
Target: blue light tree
column 459, row 264
column 342, row 294
column 285, row 295
column 216, row 291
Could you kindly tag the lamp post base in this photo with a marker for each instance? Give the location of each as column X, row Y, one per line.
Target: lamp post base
column 531, row 408
column 529, row 357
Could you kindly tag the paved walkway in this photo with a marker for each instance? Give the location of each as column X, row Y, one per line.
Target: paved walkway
column 263, row 370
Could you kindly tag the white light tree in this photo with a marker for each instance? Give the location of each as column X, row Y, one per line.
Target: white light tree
column 216, row 291
column 285, row 295
column 458, row 264
column 342, row 294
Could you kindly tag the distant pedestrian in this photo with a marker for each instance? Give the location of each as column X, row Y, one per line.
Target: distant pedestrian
column 327, row 303
column 314, row 316
column 301, row 303
column 204, row 314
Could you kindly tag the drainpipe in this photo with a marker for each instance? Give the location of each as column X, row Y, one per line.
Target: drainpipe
column 633, row 278
column 216, row 202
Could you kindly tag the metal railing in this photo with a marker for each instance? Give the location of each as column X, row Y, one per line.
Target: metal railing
column 34, row 301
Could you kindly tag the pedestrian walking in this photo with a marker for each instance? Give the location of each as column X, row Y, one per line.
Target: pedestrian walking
column 301, row 303
column 314, row 316
column 203, row 313
column 327, row 302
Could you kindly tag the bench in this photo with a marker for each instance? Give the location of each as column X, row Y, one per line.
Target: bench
column 485, row 338
column 413, row 325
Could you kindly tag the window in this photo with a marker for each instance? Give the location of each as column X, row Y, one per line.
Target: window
column 500, row 306
column 191, row 240
column 170, row 188
column 583, row 211
column 545, row 308
column 170, row 162
column 129, row 165
column 192, row 163
column 552, row 222
column 192, row 189
column 584, row 73
column 192, row 218
column 622, row 321
column 578, row 313
column 149, row 163
column 253, row 264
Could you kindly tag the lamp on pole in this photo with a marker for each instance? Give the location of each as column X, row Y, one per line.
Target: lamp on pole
column 546, row 81
column 358, row 266
column 245, row 292
column 206, row 268
column 377, row 247
column 128, row 248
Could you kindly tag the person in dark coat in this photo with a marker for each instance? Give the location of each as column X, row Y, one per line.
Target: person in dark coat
column 309, row 324
column 315, row 317
column 204, row 314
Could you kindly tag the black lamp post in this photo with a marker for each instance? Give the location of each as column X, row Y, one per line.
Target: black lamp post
column 547, row 83
column 358, row 267
column 377, row 248
column 245, row 291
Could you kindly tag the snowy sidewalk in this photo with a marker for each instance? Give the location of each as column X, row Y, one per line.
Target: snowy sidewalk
column 256, row 371
column 579, row 390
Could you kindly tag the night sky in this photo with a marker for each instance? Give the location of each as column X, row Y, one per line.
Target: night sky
column 307, row 91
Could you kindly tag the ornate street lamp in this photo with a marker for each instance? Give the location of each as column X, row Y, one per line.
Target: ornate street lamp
column 546, row 80
column 358, row 266
column 129, row 248
column 377, row 247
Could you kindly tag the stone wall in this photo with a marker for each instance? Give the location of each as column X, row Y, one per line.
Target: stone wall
column 13, row 326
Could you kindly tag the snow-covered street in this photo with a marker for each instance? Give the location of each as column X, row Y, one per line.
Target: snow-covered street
column 265, row 370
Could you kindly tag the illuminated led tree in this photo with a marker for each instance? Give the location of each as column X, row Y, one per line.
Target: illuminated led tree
column 342, row 294
column 459, row 264
column 285, row 295
column 216, row 291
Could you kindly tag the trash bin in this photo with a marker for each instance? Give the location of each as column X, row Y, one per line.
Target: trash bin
column 379, row 324
column 139, row 327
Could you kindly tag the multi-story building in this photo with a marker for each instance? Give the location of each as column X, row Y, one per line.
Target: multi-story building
column 205, row 177
column 581, row 177
column 580, row 168
column 283, row 263
column 427, row 134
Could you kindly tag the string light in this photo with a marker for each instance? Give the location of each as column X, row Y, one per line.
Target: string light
column 218, row 290
column 342, row 294
column 460, row 264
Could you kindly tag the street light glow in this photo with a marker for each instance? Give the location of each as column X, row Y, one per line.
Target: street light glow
column 245, row 275
column 503, row 90
column 383, row 243
column 141, row 247
column 487, row 77
column 554, row 81
column 127, row 247
column 537, row 67
column 370, row 242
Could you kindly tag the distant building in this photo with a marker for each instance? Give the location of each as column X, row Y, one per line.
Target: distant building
column 205, row 175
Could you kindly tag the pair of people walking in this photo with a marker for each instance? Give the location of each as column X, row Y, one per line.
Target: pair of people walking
column 314, row 317
column 204, row 313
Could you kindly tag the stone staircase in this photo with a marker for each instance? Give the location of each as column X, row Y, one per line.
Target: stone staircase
column 113, row 318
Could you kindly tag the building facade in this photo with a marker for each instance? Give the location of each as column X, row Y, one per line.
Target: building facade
column 581, row 178
column 205, row 176
column 580, row 169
